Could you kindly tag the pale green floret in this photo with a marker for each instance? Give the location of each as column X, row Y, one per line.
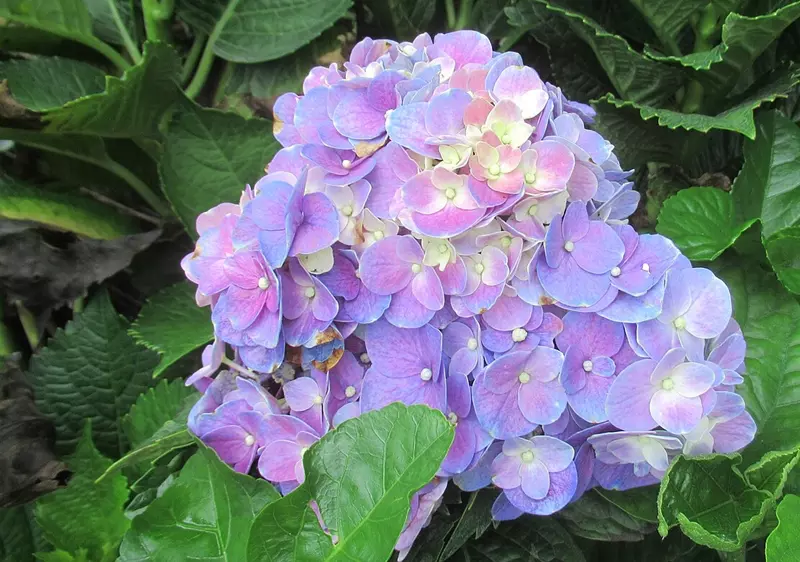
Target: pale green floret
column 527, row 457
column 519, row 334
column 310, row 292
column 263, row 283
column 416, row 268
column 679, row 323
column 524, row 377
column 569, row 245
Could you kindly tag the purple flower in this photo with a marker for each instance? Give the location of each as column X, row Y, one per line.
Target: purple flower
column 345, row 381
column 519, row 391
column 470, row 437
column 305, row 397
column 233, row 430
column 308, row 305
column 425, row 502
column 726, row 429
column 286, row 439
column 461, row 344
column 514, row 325
column 487, row 272
column 645, row 456
column 668, row 393
column 537, row 475
column 440, row 202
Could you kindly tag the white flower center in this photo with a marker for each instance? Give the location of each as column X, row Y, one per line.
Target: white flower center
column 524, row 377
column 317, row 399
column 587, row 366
column 646, row 267
column 310, row 292
column 364, row 358
column 616, row 272
column 472, row 344
column 263, row 283
column 569, row 245
column 527, row 456
column 453, row 417
column 347, row 210
column 519, row 334
column 426, row 374
column 249, row 440
column 450, row 193
column 679, row 323
column 350, row 391
column 346, row 164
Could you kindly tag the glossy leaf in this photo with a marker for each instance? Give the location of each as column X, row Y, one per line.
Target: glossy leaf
column 171, row 324
column 155, row 407
column 66, row 80
column 86, row 515
column 205, row 515
column 701, row 221
column 210, row 157
column 783, row 543
column 260, row 30
column 595, row 518
column 108, row 16
column 668, row 18
column 539, row 539
column 641, row 503
column 783, row 251
column 92, row 369
column 473, row 523
column 711, row 501
column 405, row 19
column 771, row 472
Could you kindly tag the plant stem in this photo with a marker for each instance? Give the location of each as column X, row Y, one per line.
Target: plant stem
column 140, row 187
column 110, row 53
column 6, row 339
column 191, row 58
column 451, row 14
column 705, row 29
column 130, row 45
column 203, row 68
column 157, row 14
column 464, row 14
column 78, row 304
column 28, row 321
column 238, row 368
column 222, row 83
column 127, row 210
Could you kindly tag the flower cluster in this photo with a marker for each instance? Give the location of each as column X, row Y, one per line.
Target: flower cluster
column 442, row 227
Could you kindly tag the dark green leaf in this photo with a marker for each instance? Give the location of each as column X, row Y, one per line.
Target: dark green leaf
column 205, row 515
column 770, row 320
column 171, row 324
column 63, row 211
column 210, row 156
column 595, row 518
column 675, row 548
column 668, row 17
column 635, row 77
column 404, row 19
column 783, row 543
column 64, row 556
column 66, row 80
column 173, row 437
column 476, row 518
column 711, row 501
column 641, row 503
column 288, row 531
column 130, row 106
column 156, row 407
column 261, row 30
column 92, row 369
column 533, row 539
column 701, row 221
column 108, row 16
column 772, row 471
column 86, row 514
column 783, row 251
column 16, row 541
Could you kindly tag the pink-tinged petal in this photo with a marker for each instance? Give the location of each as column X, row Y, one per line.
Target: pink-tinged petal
column 570, row 285
column 575, row 224
column 427, row 289
column 464, row 47
column 341, row 279
column 244, row 305
column 554, row 166
column 454, row 277
column 628, row 402
column 278, row 460
column 380, row 391
column 591, row 334
column 730, row 353
column 355, row 117
column 542, row 402
column 382, row 270
column 582, row 184
column 678, row 297
column 691, row 379
column 495, row 266
column 393, row 167
column 535, row 479
column 398, row 352
column 477, row 111
column 656, row 338
column 481, row 300
column 421, row 195
column 734, row 435
column 405, row 311
column 675, row 413
column 381, row 90
column 553, row 453
column 509, row 183
column 320, row 226
column 711, row 304
column 406, row 127
column 647, row 264
column 450, row 221
column 600, row 250
column 244, row 269
column 666, row 364
column 293, row 298
column 462, row 450
column 499, row 414
column 589, row 402
column 562, row 487
column 324, row 306
column 515, row 83
column 483, row 194
column 445, row 112
column 508, row 312
column 300, row 393
column 463, row 362
column 506, row 471
column 506, row 111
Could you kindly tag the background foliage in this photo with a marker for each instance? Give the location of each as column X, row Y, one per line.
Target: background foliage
column 122, row 120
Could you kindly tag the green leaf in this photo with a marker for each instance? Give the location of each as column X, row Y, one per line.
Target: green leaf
column 288, row 531
column 595, row 518
column 770, row 320
column 641, row 503
column 668, row 17
column 171, row 438
column 210, row 156
column 475, row 519
column 701, row 222
column 92, row 369
column 536, row 539
column 784, row 542
column 738, row 118
column 108, row 15
column 272, row 78
column 205, row 515
column 156, row 407
column 85, row 514
column 16, row 540
column 772, row 471
column 260, row 30
column 783, row 251
column 634, row 76
column 404, row 19
column 171, row 324
column 67, row 80
column 711, row 501
column 64, row 211
column 131, row 106
column 362, row 476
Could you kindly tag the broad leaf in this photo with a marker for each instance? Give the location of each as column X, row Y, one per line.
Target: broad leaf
column 260, row 30
column 641, row 503
column 66, row 80
column 701, row 221
column 204, row 515
column 668, row 17
column 404, row 19
column 537, row 539
column 770, row 320
column 172, row 436
column 64, row 211
column 210, row 156
column 16, row 540
column 675, row 548
column 595, row 518
column 783, row 543
column 171, row 324
column 156, row 407
column 635, row 77
column 92, row 369
column 738, row 118
column 772, row 471
column 711, row 501
column 474, row 520
column 86, row 515
column 783, row 251
column 108, row 16
column 130, row 106
column 362, row 476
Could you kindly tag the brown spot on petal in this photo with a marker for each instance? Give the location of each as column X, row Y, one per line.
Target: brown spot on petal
column 547, row 300
column 363, row 149
column 277, row 126
column 294, row 355
column 331, row 362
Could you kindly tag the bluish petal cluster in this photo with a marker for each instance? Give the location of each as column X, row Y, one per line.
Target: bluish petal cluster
column 443, row 227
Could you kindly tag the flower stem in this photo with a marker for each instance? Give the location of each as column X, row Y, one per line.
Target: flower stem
column 127, row 40
column 140, row 187
column 705, row 29
column 157, row 14
column 464, row 15
column 451, row 14
column 191, row 58
column 110, row 53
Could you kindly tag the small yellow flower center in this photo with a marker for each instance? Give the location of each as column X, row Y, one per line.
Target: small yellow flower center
column 350, row 391
column 494, row 170
column 505, row 242
column 443, row 248
column 527, row 456
column 347, row 210
column 519, row 334
column 472, row 344
column 426, row 374
column 317, row 399
column 530, row 177
column 450, row 193
column 263, row 283
column 587, row 366
column 249, row 440
column 616, row 272
column 524, row 377
column 452, row 417
column 679, row 323
column 364, row 358
column 668, row 384
column 479, row 268
column 346, row 164
column 569, row 245
column 532, row 209
column 310, row 292
column 379, row 235
column 416, row 268
column 506, row 139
